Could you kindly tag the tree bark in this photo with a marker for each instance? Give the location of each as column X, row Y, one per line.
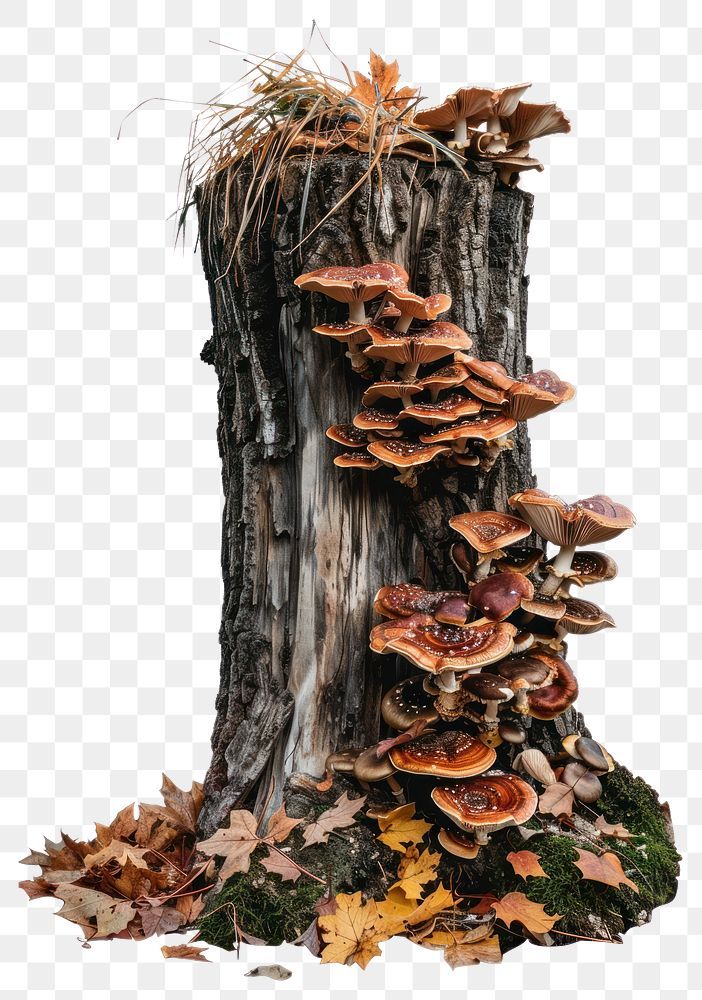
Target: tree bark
column 305, row 545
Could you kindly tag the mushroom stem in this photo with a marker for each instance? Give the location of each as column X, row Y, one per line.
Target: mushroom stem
column 481, row 837
column 396, row 788
column 359, row 362
column 403, row 323
column 447, row 681
column 490, row 713
column 389, row 367
column 357, row 312
column 434, row 394
column 481, row 621
column 460, row 130
column 561, row 565
column 483, row 568
column 520, row 703
column 493, row 125
column 409, row 371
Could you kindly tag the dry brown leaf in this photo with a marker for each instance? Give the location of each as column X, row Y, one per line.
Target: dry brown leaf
column 557, row 799
column 280, row 825
column 122, row 827
column 119, row 851
column 235, row 843
column 400, row 828
column 157, row 827
column 310, row 939
column 612, row 829
column 279, row 864
column 415, row 870
column 191, row 951
column 37, row 888
column 190, row 907
column 436, row 902
column 83, row 906
column 526, row 863
column 183, row 805
column 350, row 934
column 605, row 868
column 515, row 906
column 383, row 76
column 340, row 816
column 473, row 952
column 160, row 919
column 134, row 881
column 415, row 730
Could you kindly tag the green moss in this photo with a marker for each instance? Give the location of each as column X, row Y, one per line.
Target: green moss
column 264, row 907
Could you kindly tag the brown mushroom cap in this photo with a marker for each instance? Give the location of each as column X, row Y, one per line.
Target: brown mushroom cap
column 435, row 647
column 506, row 100
column 584, row 617
column 491, row 372
column 342, row 761
column 586, row 786
column 473, row 103
column 489, row 530
column 461, row 559
column 586, row 749
column 520, row 559
column 417, row 307
column 407, row 702
column 390, row 388
column 510, row 731
column 369, row 767
column 373, row 419
column 342, row 331
column 348, row 435
column 584, row 522
column 451, row 754
column 357, row 460
column 480, row 428
column 532, row 121
column 498, row 596
column 353, row 284
column 555, row 698
column 444, row 411
column 544, row 606
column 590, row 567
column 488, row 802
column 448, row 377
column 537, row 393
column 403, row 453
column 417, row 346
column 488, row 393
column 487, row 687
column 460, row 844
column 526, row 672
column 403, row 600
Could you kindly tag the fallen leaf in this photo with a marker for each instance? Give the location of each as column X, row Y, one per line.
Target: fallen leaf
column 416, row 872
column 120, row 852
column 473, row 952
column 526, row 863
column 157, row 827
column 278, row 972
column 612, row 829
column 484, row 905
column 235, row 843
column 122, row 827
column 516, row 907
column 183, row 805
column 605, row 868
column 381, row 85
column 325, row 904
column 350, row 933
column 557, row 799
column 310, row 939
column 36, row 888
column 134, row 881
column 396, row 907
column 400, row 828
column 83, row 906
column 191, row 951
column 415, row 730
column 280, row 825
column 160, row 919
column 190, row 907
column 340, row 816
column 279, row 864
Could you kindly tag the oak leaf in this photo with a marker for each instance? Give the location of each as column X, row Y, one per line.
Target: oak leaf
column 99, row 915
column 605, row 868
column 515, row 906
column 557, row 799
column 338, row 817
column 191, row 951
column 473, row 952
column 415, row 872
column 612, row 829
column 526, row 863
column 280, row 864
column 350, row 934
column 400, row 828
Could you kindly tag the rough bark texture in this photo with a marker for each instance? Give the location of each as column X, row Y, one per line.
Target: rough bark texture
column 305, row 545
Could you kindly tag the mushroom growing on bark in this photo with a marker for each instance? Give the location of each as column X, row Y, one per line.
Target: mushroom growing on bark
column 405, row 599
column 404, row 456
column 469, row 104
column 555, row 698
column 492, row 692
column 488, row 531
column 525, row 674
column 483, row 805
column 587, row 568
column 451, row 754
column 407, row 702
column 499, row 595
column 369, row 768
column 416, row 347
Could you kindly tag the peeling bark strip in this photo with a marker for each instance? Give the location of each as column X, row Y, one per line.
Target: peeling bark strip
column 306, row 545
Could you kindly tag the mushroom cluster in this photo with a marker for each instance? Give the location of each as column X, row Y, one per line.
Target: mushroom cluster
column 492, row 660
column 458, row 411
column 495, row 125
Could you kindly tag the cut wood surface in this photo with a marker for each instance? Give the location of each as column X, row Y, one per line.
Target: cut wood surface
column 305, row 544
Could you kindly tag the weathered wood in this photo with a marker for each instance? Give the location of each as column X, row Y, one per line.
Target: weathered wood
column 305, row 545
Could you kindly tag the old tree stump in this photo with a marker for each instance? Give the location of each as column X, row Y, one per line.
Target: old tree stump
column 305, row 544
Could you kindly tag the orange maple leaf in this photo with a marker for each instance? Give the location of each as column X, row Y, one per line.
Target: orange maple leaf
column 605, row 868
column 515, row 906
column 526, row 863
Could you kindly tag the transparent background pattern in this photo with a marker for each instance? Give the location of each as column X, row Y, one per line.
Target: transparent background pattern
column 110, row 506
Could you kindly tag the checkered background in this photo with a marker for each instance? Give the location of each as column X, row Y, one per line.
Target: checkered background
column 110, row 506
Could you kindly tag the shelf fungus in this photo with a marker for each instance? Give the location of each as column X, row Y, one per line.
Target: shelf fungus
column 404, row 456
column 483, row 805
column 489, row 532
column 451, row 754
column 406, row 599
column 413, row 348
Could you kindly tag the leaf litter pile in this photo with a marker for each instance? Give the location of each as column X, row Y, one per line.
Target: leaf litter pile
column 147, row 874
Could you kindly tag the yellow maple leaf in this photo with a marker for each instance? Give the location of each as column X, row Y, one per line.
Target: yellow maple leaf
column 436, row 902
column 351, row 933
column 415, row 870
column 400, row 829
column 381, row 85
column 515, row 906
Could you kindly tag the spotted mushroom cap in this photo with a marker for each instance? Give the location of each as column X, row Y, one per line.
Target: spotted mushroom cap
column 488, row 802
column 342, row 331
column 590, row 567
column 348, row 435
column 448, row 377
column 417, row 346
column 520, row 559
column 584, row 617
column 373, row 419
column 407, row 702
column 390, row 388
column 537, row 393
column 499, row 595
column 555, row 698
column 353, row 284
column 486, row 427
column 583, row 522
column 486, row 687
column 357, row 460
column 402, row 600
column 489, row 530
column 434, row 647
column 418, row 307
column 403, row 453
column 451, row 754
column 444, row 411
column 491, row 372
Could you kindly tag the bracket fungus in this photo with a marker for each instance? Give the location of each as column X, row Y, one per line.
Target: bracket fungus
column 489, row 532
column 406, row 599
column 451, row 754
column 483, row 805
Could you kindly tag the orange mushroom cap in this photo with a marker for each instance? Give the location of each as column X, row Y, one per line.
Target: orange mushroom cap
column 417, row 346
column 357, row 460
column 537, row 393
column 418, row 307
column 489, row 530
column 403, row 453
column 488, row 802
column 434, row 647
column 481, row 428
column 532, row 121
column 348, row 435
column 406, row 599
column 451, row 408
column 451, row 754
column 468, row 103
column 355, row 283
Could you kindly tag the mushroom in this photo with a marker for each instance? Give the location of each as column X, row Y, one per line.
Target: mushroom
column 527, row 121
column 587, row 568
column 524, row 675
column 488, row 803
column 391, row 388
column 487, row 531
column 405, row 599
column 357, row 460
column 404, row 455
column 451, row 754
column 587, row 750
column 349, row 435
column 583, row 618
column 535, row 763
column 413, row 306
column 522, row 641
column 369, row 768
column 416, row 347
column 448, row 377
column 499, row 595
column 520, row 559
column 481, row 428
column 543, row 606
column 548, row 702
column 460, row 559
column 536, row 393
column 510, row 731
column 353, row 286
column 373, row 419
column 407, row 702
column 584, row 522
column 460, row 844
column 474, row 104
column 446, row 410
column 491, row 692
column 586, row 786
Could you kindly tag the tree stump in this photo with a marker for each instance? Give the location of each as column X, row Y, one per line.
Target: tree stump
column 306, row 545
